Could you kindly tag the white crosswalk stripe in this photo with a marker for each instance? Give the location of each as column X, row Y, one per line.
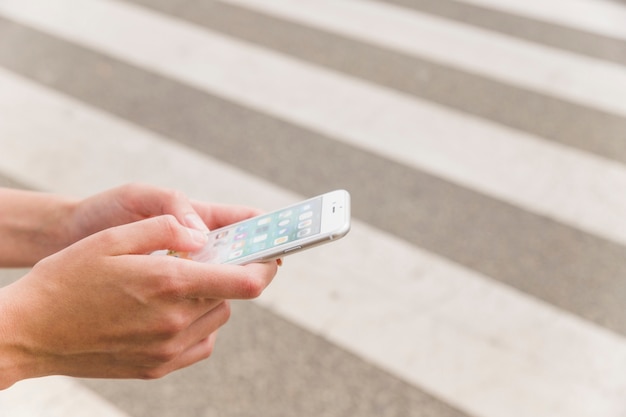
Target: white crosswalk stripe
column 596, row 16
column 481, row 346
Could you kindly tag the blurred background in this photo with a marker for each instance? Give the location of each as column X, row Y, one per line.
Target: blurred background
column 483, row 143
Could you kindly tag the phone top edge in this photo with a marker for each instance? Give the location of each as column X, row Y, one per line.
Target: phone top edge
column 340, row 191
column 335, row 213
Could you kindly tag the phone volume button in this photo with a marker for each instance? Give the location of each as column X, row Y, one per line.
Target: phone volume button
column 292, row 249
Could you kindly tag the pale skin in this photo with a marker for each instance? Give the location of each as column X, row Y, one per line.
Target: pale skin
column 95, row 303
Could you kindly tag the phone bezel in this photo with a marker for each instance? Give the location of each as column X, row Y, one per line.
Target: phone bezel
column 335, row 223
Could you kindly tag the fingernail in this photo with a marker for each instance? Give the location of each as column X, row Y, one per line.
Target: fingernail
column 198, row 236
column 195, row 222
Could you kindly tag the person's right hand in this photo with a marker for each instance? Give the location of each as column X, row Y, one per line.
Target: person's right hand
column 103, row 308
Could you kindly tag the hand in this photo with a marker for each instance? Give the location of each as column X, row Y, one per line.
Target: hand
column 133, row 202
column 102, row 308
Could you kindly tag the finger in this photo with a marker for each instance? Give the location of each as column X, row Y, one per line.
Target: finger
column 192, row 310
column 218, row 215
column 196, row 280
column 196, row 343
column 146, row 236
column 233, row 281
column 150, row 201
column 202, row 350
column 198, row 352
column 201, row 335
column 205, row 325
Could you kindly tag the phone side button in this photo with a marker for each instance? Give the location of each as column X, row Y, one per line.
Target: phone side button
column 292, row 249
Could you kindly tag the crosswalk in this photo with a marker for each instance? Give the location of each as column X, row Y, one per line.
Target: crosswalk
column 485, row 274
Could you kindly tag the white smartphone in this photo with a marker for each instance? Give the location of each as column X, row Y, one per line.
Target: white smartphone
column 312, row 222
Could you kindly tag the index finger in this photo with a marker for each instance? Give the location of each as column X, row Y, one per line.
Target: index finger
column 191, row 279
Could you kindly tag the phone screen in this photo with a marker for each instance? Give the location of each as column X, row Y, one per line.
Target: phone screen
column 261, row 233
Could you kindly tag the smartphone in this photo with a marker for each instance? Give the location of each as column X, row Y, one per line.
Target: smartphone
column 273, row 235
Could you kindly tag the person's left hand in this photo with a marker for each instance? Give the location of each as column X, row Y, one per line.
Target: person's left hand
column 133, row 202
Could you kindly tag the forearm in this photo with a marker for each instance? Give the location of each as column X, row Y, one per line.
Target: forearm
column 32, row 226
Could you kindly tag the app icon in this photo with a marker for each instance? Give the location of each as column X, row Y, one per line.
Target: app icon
column 306, row 215
column 305, row 207
column 262, row 229
column 284, row 223
column 263, row 221
column 305, row 223
column 238, row 245
column 281, row 240
column 221, row 235
column 304, row 232
column 240, row 236
column 240, row 229
column 259, row 238
column 284, row 214
column 235, row 254
column 283, row 231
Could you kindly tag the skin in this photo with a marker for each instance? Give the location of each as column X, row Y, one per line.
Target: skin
column 95, row 304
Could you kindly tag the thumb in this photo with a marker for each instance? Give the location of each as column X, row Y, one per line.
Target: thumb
column 146, row 236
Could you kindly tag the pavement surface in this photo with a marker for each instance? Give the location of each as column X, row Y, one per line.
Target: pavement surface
column 484, row 146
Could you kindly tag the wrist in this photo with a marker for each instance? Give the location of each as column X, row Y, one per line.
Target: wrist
column 33, row 225
column 54, row 231
column 16, row 363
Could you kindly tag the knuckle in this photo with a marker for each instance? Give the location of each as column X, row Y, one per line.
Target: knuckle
column 172, row 325
column 169, row 227
column 167, row 280
column 130, row 188
column 172, row 196
column 226, row 311
column 168, row 222
column 172, row 285
column 128, row 192
column 165, row 353
column 47, row 263
column 107, row 236
column 152, row 373
column 177, row 195
column 221, row 314
column 256, row 279
column 207, row 350
column 252, row 286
